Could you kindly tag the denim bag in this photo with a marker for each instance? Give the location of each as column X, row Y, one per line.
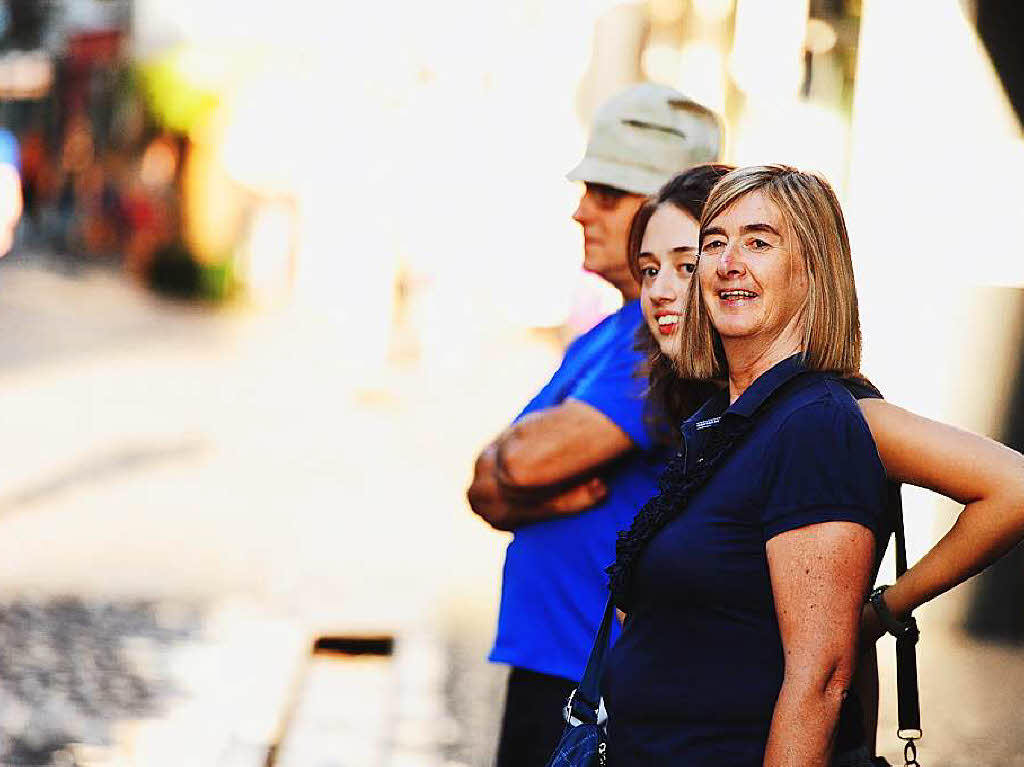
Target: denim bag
column 584, row 741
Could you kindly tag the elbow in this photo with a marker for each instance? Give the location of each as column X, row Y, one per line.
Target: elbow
column 486, row 504
column 479, row 482
column 1009, row 488
column 828, row 682
column 473, row 493
column 838, row 682
column 1013, row 501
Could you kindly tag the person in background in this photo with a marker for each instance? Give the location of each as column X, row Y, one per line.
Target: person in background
column 10, row 189
column 578, row 461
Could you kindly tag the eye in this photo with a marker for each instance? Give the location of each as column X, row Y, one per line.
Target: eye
column 713, row 247
column 649, row 272
column 688, row 268
column 758, row 244
column 606, row 197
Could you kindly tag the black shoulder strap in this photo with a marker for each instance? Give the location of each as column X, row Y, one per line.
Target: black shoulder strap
column 586, row 700
column 908, row 702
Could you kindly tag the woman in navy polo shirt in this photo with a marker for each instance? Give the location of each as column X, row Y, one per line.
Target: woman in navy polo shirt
column 744, row 610
column 662, row 257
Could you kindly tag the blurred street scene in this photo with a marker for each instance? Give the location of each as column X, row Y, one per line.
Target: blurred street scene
column 280, row 271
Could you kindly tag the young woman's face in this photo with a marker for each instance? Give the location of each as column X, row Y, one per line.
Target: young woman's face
column 667, row 261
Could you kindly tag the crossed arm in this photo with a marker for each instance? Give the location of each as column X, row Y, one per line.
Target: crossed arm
column 546, row 464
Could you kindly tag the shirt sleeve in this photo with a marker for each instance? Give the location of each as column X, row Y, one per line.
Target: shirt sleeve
column 822, row 466
column 614, row 387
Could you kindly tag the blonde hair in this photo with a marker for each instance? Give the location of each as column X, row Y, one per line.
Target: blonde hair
column 831, row 333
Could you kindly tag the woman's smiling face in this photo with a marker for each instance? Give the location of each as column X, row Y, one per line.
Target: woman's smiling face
column 667, row 262
column 752, row 275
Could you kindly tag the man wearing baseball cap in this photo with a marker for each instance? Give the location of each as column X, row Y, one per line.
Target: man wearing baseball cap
column 578, row 462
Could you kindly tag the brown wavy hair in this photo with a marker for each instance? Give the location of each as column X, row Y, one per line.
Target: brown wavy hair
column 670, row 400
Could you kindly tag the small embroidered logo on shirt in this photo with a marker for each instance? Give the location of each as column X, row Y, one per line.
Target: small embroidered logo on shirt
column 708, row 422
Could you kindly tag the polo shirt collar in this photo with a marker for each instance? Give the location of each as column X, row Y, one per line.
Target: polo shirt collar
column 766, row 385
column 755, row 395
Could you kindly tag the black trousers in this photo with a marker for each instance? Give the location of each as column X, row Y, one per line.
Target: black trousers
column 532, row 724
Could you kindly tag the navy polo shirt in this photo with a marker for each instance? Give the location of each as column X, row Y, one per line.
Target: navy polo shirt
column 694, row 677
column 554, row 588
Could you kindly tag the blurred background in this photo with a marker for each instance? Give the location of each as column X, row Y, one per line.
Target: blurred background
column 284, row 268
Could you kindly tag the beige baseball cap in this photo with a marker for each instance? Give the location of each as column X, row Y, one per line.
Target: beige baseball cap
column 644, row 136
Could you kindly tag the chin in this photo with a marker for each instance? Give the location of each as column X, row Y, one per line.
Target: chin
column 731, row 326
column 727, row 332
column 671, row 346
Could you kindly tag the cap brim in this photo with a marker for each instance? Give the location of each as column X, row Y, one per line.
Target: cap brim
column 628, row 178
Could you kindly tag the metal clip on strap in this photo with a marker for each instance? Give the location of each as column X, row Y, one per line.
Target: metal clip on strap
column 585, row 701
column 910, row 754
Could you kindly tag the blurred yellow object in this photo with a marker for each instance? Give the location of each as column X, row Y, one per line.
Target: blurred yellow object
column 186, row 83
column 213, row 203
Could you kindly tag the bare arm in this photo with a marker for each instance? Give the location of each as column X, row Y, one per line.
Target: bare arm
column 819, row 575
column 985, row 476
column 491, row 501
column 557, row 444
column 546, row 465
column 982, row 474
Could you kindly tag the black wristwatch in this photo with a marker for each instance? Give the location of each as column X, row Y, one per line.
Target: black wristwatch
column 904, row 630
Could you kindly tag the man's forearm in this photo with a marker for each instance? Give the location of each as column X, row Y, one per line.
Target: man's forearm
column 490, row 500
column 554, row 448
column 534, row 495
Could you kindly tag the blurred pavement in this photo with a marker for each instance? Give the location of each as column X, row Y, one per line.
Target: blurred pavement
column 233, row 457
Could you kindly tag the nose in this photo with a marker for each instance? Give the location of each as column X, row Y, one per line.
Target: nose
column 584, row 211
column 731, row 263
column 663, row 289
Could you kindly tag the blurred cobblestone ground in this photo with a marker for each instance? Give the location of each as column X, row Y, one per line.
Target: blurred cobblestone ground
column 69, row 669
column 158, row 454
column 161, row 453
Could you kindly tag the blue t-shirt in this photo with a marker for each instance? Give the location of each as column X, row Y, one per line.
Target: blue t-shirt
column 554, row 587
column 695, row 675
